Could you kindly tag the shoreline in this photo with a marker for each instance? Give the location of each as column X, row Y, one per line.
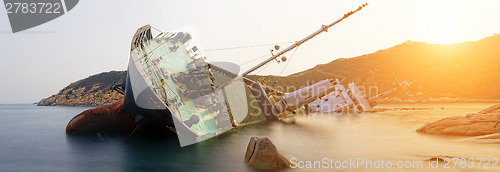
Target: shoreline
column 388, row 100
column 402, row 101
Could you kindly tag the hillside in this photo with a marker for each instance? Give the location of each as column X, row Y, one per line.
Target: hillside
column 466, row 70
column 92, row 91
column 460, row 70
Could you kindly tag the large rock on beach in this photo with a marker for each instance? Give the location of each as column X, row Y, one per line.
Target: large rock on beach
column 262, row 154
column 484, row 122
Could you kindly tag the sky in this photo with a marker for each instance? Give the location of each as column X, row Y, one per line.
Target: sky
column 95, row 36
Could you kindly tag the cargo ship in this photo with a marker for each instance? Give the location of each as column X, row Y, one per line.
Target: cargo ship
column 171, row 88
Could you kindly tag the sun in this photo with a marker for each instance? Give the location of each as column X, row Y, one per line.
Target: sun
column 446, row 32
column 445, row 26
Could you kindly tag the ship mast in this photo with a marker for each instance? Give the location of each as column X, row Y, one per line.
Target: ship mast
column 324, row 28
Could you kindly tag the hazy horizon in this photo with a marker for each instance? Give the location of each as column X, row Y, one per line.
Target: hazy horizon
column 95, row 36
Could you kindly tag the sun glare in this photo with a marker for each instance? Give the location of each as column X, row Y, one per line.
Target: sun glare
column 445, row 26
column 446, row 32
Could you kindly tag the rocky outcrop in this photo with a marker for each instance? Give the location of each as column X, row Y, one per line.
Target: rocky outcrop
column 484, row 122
column 82, row 97
column 92, row 91
column 262, row 154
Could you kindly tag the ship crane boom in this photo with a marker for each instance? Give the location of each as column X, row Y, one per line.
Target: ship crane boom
column 324, row 28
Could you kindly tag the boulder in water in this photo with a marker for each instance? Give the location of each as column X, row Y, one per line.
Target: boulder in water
column 262, row 154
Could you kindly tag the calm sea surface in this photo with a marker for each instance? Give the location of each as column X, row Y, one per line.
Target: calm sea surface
column 33, row 139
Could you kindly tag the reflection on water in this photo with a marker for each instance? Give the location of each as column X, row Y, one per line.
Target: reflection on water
column 33, row 139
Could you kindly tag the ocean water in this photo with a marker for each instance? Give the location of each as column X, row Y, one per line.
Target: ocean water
column 33, row 139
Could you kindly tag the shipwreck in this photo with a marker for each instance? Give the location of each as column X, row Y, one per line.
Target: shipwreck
column 171, row 89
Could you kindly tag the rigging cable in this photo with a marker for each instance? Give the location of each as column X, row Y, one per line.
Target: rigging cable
column 264, row 67
column 288, row 61
column 246, row 46
column 244, row 63
column 250, row 46
column 268, row 64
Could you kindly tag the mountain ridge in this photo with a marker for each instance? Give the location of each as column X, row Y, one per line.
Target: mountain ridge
column 468, row 69
column 459, row 70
